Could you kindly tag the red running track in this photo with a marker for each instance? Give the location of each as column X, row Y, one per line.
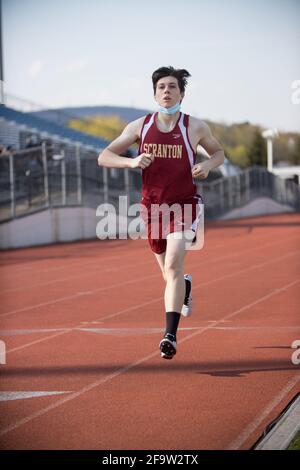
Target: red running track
column 86, row 319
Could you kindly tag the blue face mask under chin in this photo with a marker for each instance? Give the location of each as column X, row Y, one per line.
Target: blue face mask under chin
column 171, row 110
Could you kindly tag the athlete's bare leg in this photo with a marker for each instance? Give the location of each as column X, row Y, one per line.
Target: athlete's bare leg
column 172, row 266
column 161, row 261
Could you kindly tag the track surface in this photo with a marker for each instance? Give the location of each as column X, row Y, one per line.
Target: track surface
column 86, row 318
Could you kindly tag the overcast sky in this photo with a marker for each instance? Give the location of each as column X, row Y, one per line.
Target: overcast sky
column 243, row 55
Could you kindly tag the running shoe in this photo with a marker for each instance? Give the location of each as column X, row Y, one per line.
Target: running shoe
column 186, row 310
column 168, row 346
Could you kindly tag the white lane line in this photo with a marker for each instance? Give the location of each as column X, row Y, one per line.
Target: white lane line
column 78, row 294
column 78, row 263
column 32, row 343
column 92, row 265
column 258, row 328
column 142, row 331
column 253, row 426
column 216, row 279
column 30, row 332
column 105, row 331
column 112, row 286
column 8, row 396
column 103, row 380
column 77, row 276
column 96, row 267
column 136, row 307
column 32, row 269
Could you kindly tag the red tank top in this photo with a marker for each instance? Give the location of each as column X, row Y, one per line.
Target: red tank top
column 168, row 179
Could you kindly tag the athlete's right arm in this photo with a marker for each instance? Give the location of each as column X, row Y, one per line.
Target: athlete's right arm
column 110, row 157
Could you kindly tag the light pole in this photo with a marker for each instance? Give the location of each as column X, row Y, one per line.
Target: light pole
column 270, row 135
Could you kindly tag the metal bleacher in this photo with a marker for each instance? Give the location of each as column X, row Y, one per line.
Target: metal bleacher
column 50, row 129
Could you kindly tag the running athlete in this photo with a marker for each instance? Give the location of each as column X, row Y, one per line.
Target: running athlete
column 168, row 141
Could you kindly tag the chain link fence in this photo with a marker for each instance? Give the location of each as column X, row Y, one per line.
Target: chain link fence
column 56, row 176
column 224, row 194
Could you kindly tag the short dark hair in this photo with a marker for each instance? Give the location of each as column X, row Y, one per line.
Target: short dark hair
column 180, row 74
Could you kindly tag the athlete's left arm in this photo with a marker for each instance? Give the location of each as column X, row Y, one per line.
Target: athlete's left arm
column 214, row 150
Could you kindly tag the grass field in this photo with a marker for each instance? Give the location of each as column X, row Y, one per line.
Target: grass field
column 295, row 444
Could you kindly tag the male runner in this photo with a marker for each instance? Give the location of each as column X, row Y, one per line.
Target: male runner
column 168, row 141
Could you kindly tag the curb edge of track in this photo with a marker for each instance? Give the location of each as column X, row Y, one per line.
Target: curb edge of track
column 281, row 431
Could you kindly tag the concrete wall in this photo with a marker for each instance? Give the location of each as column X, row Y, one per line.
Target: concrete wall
column 80, row 223
column 49, row 226
column 259, row 206
column 63, row 225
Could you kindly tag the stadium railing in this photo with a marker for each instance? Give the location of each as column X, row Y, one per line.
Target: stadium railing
column 60, row 176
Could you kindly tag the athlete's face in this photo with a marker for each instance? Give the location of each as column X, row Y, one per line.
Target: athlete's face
column 167, row 92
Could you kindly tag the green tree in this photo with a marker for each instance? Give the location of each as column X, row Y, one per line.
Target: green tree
column 295, row 159
column 107, row 127
column 238, row 155
column 257, row 153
